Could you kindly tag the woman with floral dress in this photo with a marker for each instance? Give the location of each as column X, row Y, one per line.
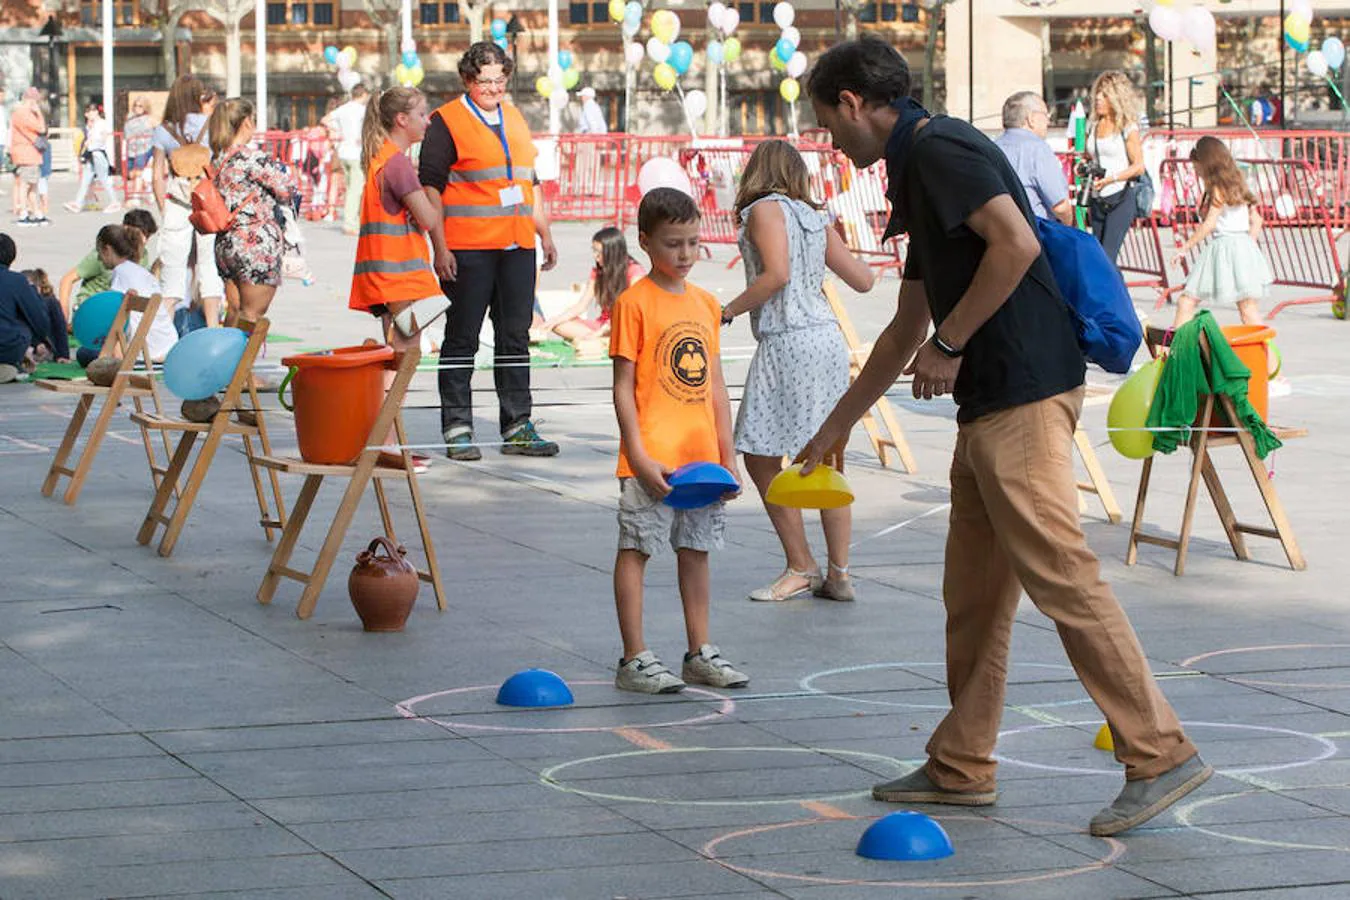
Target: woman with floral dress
column 255, row 186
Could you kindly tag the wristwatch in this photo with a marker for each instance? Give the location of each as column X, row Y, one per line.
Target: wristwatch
column 945, row 348
column 727, row 318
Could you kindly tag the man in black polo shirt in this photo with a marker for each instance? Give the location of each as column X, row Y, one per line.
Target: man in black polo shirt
column 1005, row 347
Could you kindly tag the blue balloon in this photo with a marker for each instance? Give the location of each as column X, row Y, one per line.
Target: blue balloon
column 203, row 361
column 565, row 59
column 681, row 56
column 716, row 55
column 500, row 42
column 1334, row 51
column 330, row 55
column 95, row 316
column 499, row 28
column 410, row 59
column 632, row 13
column 784, row 49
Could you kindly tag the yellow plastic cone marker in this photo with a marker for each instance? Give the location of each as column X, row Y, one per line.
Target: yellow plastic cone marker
column 824, row 488
column 1104, row 741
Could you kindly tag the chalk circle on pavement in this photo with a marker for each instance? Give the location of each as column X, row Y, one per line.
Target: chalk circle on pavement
column 809, row 684
column 1114, row 850
column 1326, row 748
column 552, row 776
column 455, row 721
column 1243, row 678
column 1185, row 813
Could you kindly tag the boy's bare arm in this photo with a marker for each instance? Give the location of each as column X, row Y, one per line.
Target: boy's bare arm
column 648, row 471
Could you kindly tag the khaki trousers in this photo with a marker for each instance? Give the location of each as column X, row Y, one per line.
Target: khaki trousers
column 1014, row 526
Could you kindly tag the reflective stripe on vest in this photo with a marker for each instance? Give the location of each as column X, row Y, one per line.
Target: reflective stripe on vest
column 393, row 263
column 475, row 218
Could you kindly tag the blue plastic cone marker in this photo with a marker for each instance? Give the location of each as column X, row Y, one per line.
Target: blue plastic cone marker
column 1104, row 740
column 534, row 687
column 699, row 484
column 907, row 836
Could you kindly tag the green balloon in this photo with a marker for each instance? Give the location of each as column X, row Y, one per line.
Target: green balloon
column 777, row 63
column 1128, row 414
column 571, row 78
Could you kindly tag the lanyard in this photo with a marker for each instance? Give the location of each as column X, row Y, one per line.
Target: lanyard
column 499, row 129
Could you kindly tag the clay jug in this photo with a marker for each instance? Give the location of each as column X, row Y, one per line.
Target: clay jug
column 383, row 587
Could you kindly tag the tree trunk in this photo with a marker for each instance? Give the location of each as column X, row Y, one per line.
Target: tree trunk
column 850, row 19
column 393, row 42
column 712, row 118
column 473, row 14
column 929, row 52
column 168, row 45
column 233, row 49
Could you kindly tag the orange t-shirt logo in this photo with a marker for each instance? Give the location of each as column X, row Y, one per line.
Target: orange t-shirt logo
column 684, row 350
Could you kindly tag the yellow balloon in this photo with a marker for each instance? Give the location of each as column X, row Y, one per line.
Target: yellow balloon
column 1297, row 27
column 731, row 49
column 1163, row 2
column 616, row 10
column 350, row 53
column 665, row 76
column 544, row 85
column 665, row 25
column 1128, row 414
column 790, row 90
column 401, row 74
column 415, row 75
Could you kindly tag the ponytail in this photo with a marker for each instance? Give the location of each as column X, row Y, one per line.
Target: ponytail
column 125, row 241
column 381, row 115
column 225, row 122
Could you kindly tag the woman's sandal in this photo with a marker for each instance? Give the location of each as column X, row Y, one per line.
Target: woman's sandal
column 779, row 592
column 840, row 589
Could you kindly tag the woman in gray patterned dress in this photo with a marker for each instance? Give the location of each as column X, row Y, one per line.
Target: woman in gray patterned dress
column 800, row 368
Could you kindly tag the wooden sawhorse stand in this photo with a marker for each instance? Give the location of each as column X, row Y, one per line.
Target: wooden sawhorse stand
column 126, row 383
column 231, row 418
column 364, row 471
column 883, row 429
column 1097, row 482
column 1202, row 469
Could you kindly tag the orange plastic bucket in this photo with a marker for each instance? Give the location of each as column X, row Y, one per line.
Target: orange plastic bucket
column 337, row 396
column 1251, row 343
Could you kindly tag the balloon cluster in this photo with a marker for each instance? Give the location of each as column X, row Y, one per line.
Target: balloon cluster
column 724, row 20
column 1297, row 25
column 570, row 78
column 1331, row 56
column 1195, row 25
column 785, row 56
column 409, row 71
column 629, row 17
column 673, row 58
column 344, row 59
column 498, row 31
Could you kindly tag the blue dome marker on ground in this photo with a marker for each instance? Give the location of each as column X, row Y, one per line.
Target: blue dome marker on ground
column 534, row 687
column 907, row 836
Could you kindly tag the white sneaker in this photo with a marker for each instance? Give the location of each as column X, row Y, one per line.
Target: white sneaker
column 708, row 667
column 645, row 674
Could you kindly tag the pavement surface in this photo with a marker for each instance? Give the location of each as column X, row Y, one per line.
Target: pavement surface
column 164, row 735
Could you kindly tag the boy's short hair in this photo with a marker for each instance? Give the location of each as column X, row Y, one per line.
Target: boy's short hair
column 142, row 221
column 666, row 206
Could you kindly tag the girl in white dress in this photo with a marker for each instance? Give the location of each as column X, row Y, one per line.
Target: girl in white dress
column 800, row 368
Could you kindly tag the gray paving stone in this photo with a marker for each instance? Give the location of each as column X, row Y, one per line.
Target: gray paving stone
column 177, row 878
column 655, row 880
column 109, row 795
column 354, row 891
column 128, row 820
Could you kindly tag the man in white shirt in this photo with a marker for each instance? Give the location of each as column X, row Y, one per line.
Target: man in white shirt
column 349, row 118
column 592, row 116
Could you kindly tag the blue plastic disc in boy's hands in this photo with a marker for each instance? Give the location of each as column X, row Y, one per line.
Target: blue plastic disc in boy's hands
column 699, row 484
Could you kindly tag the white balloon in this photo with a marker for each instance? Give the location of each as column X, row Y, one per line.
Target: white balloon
column 796, row 67
column 1197, row 25
column 716, row 10
column 783, row 14
column 695, row 103
column 1303, row 8
column 634, row 53
column 348, row 79
column 730, row 19
column 408, row 45
column 790, row 33
column 630, row 28
column 558, row 98
column 1284, row 206
column 1317, row 63
column 658, row 51
column 1165, row 22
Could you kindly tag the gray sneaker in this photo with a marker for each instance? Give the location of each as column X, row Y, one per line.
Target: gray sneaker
column 917, row 787
column 645, row 674
column 1143, row 799
column 708, row 667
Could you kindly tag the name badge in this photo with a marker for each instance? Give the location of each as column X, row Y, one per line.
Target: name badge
column 512, row 196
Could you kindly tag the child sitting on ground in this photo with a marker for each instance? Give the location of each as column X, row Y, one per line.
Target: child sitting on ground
column 672, row 406
column 614, row 272
column 57, row 332
column 92, row 276
column 119, row 246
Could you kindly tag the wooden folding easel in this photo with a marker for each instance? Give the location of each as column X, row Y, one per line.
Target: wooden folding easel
column 233, row 417
column 883, row 429
column 126, row 383
column 1202, row 440
column 364, row 471
column 1097, row 482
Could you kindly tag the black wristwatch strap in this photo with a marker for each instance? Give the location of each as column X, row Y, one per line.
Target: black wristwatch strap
column 945, row 348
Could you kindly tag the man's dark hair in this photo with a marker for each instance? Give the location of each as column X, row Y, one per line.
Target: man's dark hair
column 7, row 250
column 142, row 221
column 870, row 68
column 665, row 206
column 481, row 54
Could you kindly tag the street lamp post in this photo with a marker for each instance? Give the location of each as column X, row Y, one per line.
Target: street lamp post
column 108, row 105
column 260, row 65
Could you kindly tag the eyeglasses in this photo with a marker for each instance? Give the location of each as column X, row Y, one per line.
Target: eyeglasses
column 492, row 82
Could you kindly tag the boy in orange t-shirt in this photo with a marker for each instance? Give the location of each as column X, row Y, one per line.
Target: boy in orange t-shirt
column 673, row 409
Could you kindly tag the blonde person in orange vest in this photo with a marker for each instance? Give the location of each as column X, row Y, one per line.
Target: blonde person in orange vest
column 393, row 277
column 477, row 166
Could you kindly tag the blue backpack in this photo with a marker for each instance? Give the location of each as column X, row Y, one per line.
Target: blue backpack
column 1109, row 332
